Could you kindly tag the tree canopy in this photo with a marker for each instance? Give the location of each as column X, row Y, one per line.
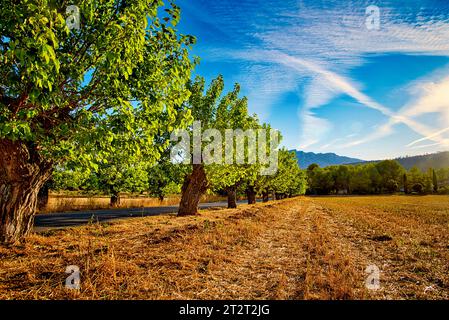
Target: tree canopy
column 86, row 95
column 64, row 91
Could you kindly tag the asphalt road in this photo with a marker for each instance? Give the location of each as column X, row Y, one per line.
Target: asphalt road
column 48, row 221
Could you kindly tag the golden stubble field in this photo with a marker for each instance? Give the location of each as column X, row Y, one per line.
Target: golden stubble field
column 301, row 248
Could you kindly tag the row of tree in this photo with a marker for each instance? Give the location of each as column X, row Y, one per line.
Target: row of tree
column 125, row 172
column 94, row 106
column 374, row 178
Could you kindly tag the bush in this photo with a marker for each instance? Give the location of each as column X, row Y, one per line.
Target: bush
column 443, row 190
column 418, row 188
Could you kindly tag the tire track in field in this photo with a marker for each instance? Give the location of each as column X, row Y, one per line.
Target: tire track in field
column 273, row 264
column 406, row 272
column 298, row 254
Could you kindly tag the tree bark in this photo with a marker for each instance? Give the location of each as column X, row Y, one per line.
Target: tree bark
column 42, row 197
column 265, row 196
column 115, row 200
column 23, row 172
column 251, row 195
column 194, row 186
column 232, row 197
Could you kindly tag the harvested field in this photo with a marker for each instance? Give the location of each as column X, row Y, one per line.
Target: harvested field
column 301, row 248
column 64, row 203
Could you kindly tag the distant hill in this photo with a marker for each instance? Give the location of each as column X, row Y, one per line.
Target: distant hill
column 424, row 162
column 322, row 159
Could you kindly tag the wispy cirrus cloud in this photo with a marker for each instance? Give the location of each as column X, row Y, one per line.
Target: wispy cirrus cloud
column 432, row 97
column 337, row 84
column 318, row 44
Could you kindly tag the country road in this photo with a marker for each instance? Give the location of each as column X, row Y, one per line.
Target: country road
column 47, row 221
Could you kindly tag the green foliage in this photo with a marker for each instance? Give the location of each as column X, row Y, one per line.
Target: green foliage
column 390, row 172
column 374, row 178
column 71, row 94
column 383, row 177
column 166, row 178
column 289, row 179
column 71, row 179
column 434, row 181
column 221, row 111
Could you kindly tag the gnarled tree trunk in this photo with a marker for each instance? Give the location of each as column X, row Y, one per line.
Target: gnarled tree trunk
column 232, row 197
column 23, row 172
column 42, row 197
column 194, row 186
column 251, row 195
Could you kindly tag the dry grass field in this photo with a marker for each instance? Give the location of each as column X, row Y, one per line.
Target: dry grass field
column 301, row 248
column 62, row 203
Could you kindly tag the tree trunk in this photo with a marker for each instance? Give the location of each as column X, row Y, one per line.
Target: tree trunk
column 194, row 186
column 42, row 197
column 265, row 196
column 115, row 200
column 277, row 196
column 232, row 197
column 251, row 195
column 23, row 172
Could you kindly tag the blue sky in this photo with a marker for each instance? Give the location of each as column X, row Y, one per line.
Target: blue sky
column 316, row 72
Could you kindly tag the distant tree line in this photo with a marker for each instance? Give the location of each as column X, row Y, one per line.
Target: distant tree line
column 376, row 178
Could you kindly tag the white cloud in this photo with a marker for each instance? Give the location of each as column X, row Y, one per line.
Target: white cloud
column 432, row 97
column 436, row 134
column 327, row 84
column 321, row 42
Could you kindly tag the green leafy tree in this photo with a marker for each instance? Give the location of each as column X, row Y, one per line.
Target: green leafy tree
column 255, row 182
column 165, row 178
column 61, row 91
column 341, row 176
column 232, row 113
column 117, row 177
column 375, row 177
column 66, row 178
column 390, row 172
column 289, row 180
column 360, row 180
column 428, row 181
column 443, row 180
column 221, row 112
column 416, row 180
column 405, row 183
column 434, row 181
column 385, row 176
column 321, row 180
column 203, row 107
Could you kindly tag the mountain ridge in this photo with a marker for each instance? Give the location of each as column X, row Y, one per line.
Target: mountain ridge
column 322, row 159
column 436, row 160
